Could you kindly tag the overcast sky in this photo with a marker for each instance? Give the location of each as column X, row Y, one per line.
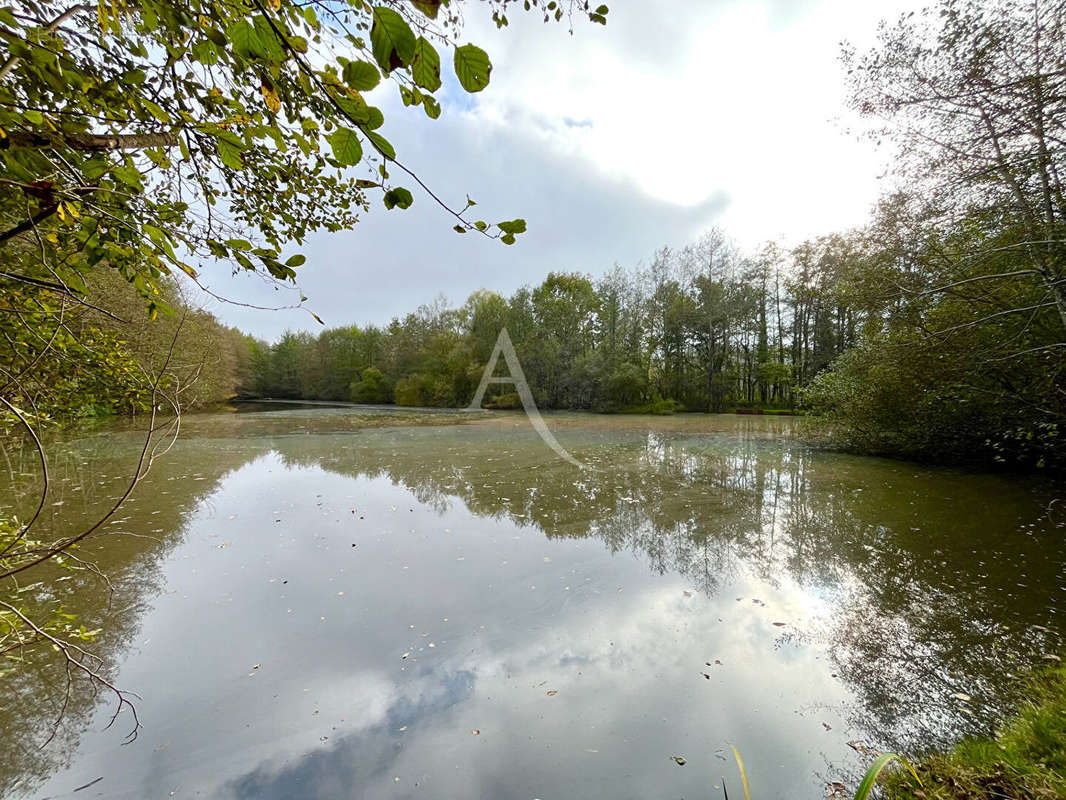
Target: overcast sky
column 675, row 117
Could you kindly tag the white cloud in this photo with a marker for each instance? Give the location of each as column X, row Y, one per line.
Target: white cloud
column 611, row 142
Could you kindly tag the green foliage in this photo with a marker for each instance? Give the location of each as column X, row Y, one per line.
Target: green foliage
column 507, row 401
column 123, row 123
column 19, row 639
column 66, row 361
column 138, row 139
column 988, row 390
column 666, row 407
column 1025, row 759
column 371, row 388
column 866, row 786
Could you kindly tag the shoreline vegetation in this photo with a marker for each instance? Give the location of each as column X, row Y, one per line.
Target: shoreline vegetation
column 1024, row 760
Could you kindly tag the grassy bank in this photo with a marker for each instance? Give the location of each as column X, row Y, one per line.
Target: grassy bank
column 1027, row 759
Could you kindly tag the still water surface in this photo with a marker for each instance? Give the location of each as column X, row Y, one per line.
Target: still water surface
column 441, row 608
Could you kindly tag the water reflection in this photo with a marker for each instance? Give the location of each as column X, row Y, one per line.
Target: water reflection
column 699, row 587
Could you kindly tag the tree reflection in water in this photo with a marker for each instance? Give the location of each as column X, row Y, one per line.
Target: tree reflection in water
column 922, row 583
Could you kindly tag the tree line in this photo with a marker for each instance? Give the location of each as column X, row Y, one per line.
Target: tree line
column 856, row 327
column 703, row 327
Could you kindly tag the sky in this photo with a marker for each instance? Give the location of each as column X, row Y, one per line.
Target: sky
column 612, row 142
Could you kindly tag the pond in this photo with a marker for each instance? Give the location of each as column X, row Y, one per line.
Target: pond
column 343, row 603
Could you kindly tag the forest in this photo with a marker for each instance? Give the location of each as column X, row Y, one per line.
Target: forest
column 915, row 349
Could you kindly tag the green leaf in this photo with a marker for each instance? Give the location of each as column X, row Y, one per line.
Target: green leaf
column 355, row 108
column 398, row 197
column 346, row 147
column 230, row 154
column 361, row 75
column 512, row 226
column 870, row 778
column 472, row 67
column 296, row 261
column 425, row 68
column 273, row 49
column 127, row 175
column 427, row 7
column 431, row 107
column 239, row 244
column 377, row 119
column 382, row 144
column 245, row 39
column 391, row 40
column 216, row 36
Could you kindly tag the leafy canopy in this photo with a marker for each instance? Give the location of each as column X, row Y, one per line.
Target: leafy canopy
column 146, row 136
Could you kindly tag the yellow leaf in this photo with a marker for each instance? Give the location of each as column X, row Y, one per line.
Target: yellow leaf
column 270, row 95
column 743, row 773
column 187, row 269
column 275, row 5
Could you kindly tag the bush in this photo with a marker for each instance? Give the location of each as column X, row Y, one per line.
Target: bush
column 373, row 388
column 415, row 390
column 504, row 401
column 666, row 407
column 932, row 401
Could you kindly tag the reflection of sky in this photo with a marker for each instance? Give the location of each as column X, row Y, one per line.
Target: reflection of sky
column 333, row 711
column 272, row 664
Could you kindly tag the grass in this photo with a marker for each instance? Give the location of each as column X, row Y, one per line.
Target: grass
column 1026, row 759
